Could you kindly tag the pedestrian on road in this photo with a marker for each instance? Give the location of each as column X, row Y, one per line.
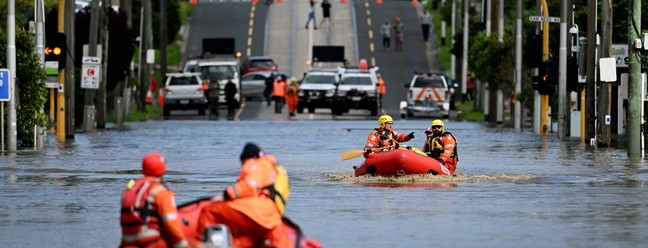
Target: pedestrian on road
column 213, row 95
column 267, row 92
column 426, row 20
column 230, row 92
column 470, row 86
column 381, row 90
column 292, row 99
column 326, row 13
column 148, row 209
column 385, row 31
column 311, row 14
column 441, row 145
column 279, row 92
column 399, row 28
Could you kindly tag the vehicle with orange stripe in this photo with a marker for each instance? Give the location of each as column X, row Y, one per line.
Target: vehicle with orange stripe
column 429, row 94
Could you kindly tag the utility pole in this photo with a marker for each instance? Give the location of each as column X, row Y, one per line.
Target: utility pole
column 120, row 103
column 68, row 96
column 590, row 85
column 39, row 18
column 562, row 76
column 464, row 59
column 606, row 88
column 453, row 26
column 12, row 132
column 163, row 42
column 635, row 93
column 89, row 108
column 517, row 122
column 499, row 110
column 100, row 100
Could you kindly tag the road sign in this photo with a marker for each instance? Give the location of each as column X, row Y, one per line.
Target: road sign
column 90, row 72
column 544, row 19
column 5, row 76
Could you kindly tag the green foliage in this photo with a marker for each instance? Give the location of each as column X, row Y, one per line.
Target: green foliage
column 493, row 61
column 30, row 78
column 173, row 19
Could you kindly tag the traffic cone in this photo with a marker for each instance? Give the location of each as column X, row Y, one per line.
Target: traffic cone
column 342, row 1
column 414, row 2
column 160, row 98
column 149, row 96
column 379, row 2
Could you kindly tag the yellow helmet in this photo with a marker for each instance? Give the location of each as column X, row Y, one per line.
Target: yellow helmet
column 384, row 119
column 293, row 79
column 438, row 122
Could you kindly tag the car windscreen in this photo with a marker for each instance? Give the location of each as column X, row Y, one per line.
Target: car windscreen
column 429, row 83
column 220, row 72
column 319, row 79
column 261, row 63
column 356, row 81
column 183, row 81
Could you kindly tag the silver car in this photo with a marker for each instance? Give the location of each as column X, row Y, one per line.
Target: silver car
column 253, row 84
column 183, row 91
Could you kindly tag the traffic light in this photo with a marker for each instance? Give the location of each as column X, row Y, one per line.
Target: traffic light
column 541, row 81
column 533, row 51
column 55, row 48
column 572, row 75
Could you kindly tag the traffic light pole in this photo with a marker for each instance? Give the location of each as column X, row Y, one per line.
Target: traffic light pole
column 60, row 96
column 544, row 99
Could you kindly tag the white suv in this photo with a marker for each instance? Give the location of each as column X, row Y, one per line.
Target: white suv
column 428, row 94
column 317, row 89
column 220, row 70
column 357, row 89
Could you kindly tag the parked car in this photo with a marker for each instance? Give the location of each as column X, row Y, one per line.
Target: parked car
column 253, row 84
column 357, row 89
column 428, row 94
column 191, row 66
column 258, row 63
column 183, row 91
column 317, row 89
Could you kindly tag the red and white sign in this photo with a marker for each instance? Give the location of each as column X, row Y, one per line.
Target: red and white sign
column 91, row 70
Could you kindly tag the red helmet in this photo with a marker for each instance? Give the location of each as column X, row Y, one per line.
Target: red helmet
column 154, row 165
column 397, row 19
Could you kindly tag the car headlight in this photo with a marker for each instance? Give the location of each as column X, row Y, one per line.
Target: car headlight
column 329, row 93
column 300, row 94
column 341, row 92
column 371, row 93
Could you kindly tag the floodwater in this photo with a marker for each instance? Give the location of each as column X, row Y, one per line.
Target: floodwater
column 512, row 189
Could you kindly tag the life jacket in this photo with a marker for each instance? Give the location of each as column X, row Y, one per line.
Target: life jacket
column 385, row 139
column 436, row 148
column 280, row 190
column 293, row 90
column 139, row 220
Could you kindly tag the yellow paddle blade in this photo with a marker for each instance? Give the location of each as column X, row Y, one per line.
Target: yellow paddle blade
column 352, row 154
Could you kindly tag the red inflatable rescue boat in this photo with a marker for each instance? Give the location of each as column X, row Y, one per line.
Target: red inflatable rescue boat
column 401, row 162
column 189, row 213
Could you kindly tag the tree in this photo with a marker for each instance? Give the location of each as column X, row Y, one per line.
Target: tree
column 30, row 78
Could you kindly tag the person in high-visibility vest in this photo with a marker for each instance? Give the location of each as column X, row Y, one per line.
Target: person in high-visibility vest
column 279, row 92
column 381, row 89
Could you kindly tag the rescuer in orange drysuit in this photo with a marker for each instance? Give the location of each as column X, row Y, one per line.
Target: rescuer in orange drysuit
column 441, row 145
column 385, row 136
column 292, row 98
column 279, row 92
column 245, row 207
column 148, row 212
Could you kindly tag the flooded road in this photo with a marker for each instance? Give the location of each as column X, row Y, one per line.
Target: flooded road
column 512, row 189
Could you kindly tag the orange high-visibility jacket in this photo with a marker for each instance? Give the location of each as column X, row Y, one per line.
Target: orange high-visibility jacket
column 374, row 140
column 381, row 86
column 248, row 195
column 280, row 89
column 163, row 222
